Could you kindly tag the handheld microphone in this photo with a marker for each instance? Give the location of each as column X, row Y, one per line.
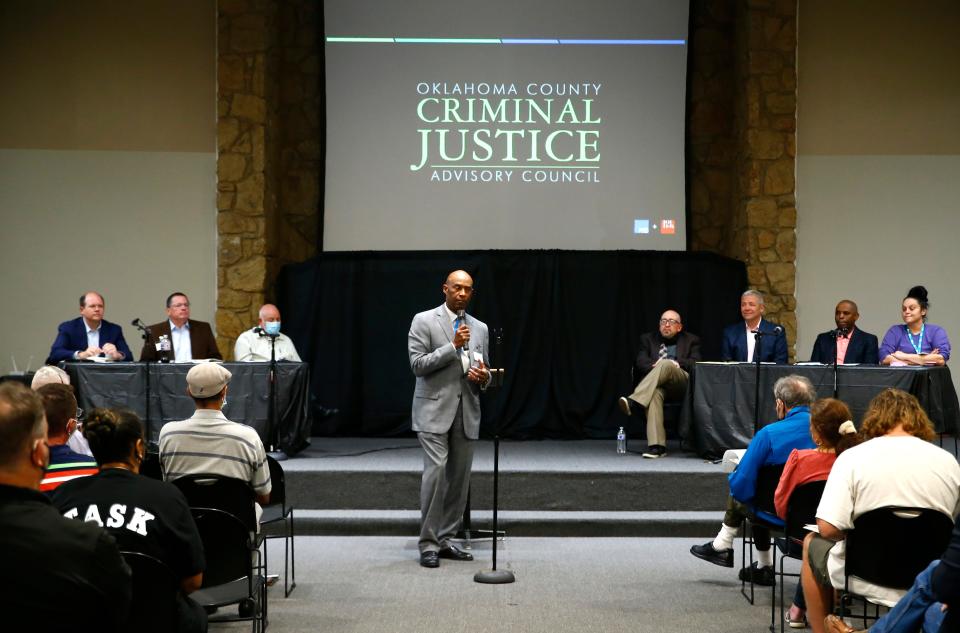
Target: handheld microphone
column 461, row 317
column 778, row 330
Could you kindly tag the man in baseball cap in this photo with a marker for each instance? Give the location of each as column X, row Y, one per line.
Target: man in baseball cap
column 210, row 444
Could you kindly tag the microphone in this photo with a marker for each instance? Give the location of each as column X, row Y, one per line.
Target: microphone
column 137, row 323
column 461, row 317
column 840, row 332
column 778, row 330
column 259, row 331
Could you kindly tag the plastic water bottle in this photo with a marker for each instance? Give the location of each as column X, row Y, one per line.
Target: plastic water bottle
column 621, row 442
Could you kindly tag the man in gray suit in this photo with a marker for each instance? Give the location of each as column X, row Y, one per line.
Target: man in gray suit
column 448, row 355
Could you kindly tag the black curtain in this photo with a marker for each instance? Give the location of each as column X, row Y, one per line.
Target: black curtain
column 571, row 322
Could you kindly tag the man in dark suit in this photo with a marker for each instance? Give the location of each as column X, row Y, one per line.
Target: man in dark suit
column 739, row 341
column 665, row 360
column 188, row 339
column 448, row 355
column 89, row 335
column 847, row 343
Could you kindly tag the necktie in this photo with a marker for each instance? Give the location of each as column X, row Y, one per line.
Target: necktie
column 663, row 350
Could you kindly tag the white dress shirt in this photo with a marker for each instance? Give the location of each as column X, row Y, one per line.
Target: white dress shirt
column 751, row 341
column 180, row 339
column 250, row 346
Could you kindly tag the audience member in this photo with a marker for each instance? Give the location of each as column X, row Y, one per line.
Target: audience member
column 833, row 432
column 189, row 339
column 916, row 342
column 58, row 575
column 53, row 375
column 897, row 466
column 665, row 360
column 210, row 444
column 62, row 413
column 772, row 445
column 739, row 339
column 254, row 344
column 142, row 514
column 89, row 335
column 847, row 344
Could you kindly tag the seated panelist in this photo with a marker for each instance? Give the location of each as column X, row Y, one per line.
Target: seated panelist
column 89, row 335
column 254, row 344
column 916, row 342
column 188, row 339
column 847, row 343
column 739, row 340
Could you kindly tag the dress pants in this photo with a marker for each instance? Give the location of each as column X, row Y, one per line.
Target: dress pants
column 665, row 380
column 447, row 460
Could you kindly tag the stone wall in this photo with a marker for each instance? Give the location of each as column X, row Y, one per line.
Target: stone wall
column 268, row 143
column 742, row 143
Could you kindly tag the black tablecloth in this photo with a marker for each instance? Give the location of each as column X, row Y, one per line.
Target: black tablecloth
column 718, row 410
column 124, row 385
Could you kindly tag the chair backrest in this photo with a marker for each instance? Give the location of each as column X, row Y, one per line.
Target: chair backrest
column 767, row 479
column 802, row 508
column 278, row 483
column 226, row 546
column 155, row 589
column 217, row 492
column 150, row 467
column 890, row 546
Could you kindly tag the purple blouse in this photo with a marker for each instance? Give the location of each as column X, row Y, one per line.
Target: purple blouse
column 896, row 339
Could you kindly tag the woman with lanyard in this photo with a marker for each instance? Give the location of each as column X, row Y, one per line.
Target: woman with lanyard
column 916, row 342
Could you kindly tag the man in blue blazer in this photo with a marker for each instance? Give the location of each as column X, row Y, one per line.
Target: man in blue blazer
column 848, row 344
column 737, row 345
column 89, row 335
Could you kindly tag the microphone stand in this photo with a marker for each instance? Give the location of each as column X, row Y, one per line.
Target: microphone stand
column 758, row 337
column 146, row 335
column 836, row 335
column 275, row 451
column 496, row 576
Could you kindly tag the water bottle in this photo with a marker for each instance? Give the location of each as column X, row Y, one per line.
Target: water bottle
column 621, row 442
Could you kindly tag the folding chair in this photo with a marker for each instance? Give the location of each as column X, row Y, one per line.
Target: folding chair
column 767, row 480
column 801, row 510
column 277, row 511
column 890, row 546
column 155, row 591
column 223, row 509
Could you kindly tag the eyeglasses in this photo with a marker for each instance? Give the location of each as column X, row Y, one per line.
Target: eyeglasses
column 179, row 305
column 669, row 322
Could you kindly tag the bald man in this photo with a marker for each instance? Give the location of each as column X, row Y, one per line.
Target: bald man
column 665, row 360
column 848, row 343
column 254, row 344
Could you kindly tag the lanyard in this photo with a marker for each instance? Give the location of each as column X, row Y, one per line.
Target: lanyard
column 919, row 344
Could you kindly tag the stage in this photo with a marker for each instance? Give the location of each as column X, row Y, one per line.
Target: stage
column 357, row 486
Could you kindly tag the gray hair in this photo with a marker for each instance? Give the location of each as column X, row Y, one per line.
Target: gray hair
column 794, row 391
column 753, row 293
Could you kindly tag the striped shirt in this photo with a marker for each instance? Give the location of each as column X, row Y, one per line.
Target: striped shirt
column 66, row 465
column 210, row 444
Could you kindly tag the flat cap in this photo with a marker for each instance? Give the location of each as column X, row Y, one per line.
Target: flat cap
column 206, row 380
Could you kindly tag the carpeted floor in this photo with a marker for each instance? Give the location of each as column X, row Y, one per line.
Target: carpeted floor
column 375, row 585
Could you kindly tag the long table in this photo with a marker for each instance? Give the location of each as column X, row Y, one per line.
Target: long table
column 125, row 385
column 718, row 409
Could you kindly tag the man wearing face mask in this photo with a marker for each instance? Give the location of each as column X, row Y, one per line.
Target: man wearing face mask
column 60, row 406
column 60, row 574
column 254, row 344
column 771, row 445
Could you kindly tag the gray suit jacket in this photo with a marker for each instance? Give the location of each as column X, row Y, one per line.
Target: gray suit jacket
column 441, row 381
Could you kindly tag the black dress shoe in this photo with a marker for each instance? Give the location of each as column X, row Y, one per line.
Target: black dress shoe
column 451, row 552
column 429, row 559
column 758, row 575
column 724, row 558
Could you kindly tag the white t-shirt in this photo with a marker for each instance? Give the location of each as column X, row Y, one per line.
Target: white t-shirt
column 886, row 471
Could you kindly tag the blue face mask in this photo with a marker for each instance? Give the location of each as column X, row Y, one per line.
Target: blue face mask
column 272, row 327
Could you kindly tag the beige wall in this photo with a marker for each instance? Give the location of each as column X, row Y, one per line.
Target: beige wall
column 107, row 162
column 878, row 144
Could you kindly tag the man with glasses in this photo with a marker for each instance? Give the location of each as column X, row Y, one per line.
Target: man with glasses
column 63, row 417
column 664, row 361
column 188, row 339
column 59, row 575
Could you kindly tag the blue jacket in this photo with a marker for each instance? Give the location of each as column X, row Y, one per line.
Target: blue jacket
column 72, row 337
column 771, row 445
column 773, row 348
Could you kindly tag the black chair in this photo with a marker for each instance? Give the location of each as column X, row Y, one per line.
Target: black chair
column 768, row 477
column 637, row 423
column 150, row 467
column 223, row 509
column 277, row 511
column 890, row 546
column 801, row 511
column 155, row 590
